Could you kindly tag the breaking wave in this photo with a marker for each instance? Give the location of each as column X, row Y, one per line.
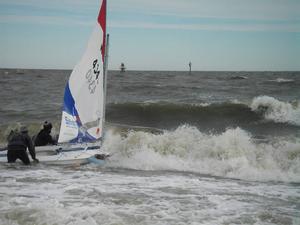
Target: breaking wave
column 278, row 111
column 170, row 115
column 232, row 154
column 208, row 116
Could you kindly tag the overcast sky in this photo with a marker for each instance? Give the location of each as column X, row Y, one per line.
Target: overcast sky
column 154, row 34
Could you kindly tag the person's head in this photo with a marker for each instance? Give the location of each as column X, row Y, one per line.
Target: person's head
column 23, row 129
column 47, row 126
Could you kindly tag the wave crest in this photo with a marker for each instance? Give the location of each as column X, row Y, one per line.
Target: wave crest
column 233, row 154
column 275, row 110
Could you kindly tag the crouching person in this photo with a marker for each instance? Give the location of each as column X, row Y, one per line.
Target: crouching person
column 18, row 142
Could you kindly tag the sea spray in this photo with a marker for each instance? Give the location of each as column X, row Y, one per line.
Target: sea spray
column 233, row 154
column 278, row 111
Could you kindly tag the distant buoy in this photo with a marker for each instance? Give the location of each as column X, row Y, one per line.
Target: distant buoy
column 190, row 66
column 122, row 68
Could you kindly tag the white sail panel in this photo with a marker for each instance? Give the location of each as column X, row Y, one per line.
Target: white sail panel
column 68, row 129
column 83, row 112
column 85, row 88
column 86, row 84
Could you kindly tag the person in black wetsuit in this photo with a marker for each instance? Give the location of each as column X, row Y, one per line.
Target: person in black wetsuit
column 44, row 137
column 18, row 142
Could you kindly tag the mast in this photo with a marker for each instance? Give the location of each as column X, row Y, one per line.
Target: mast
column 105, row 68
column 105, row 77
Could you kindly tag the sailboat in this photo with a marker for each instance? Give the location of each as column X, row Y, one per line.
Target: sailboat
column 83, row 114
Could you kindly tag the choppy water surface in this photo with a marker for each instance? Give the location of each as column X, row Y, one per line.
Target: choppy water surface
column 116, row 196
column 206, row 148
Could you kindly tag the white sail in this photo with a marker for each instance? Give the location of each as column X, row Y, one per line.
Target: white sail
column 84, row 99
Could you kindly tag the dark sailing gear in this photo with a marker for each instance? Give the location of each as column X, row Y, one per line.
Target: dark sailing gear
column 17, row 145
column 23, row 129
column 47, row 125
column 44, row 138
column 14, row 154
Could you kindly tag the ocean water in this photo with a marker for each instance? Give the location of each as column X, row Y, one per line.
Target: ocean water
column 206, row 148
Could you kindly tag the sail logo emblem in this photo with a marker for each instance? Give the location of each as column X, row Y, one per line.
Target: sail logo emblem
column 92, row 76
column 70, row 123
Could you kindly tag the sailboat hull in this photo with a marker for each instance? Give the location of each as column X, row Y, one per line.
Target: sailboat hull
column 66, row 155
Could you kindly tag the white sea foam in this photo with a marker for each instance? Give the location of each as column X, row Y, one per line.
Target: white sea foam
column 278, row 111
column 203, row 104
column 230, row 154
column 236, row 101
column 90, row 196
column 283, row 80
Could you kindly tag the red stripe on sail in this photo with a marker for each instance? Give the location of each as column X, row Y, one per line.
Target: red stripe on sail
column 102, row 22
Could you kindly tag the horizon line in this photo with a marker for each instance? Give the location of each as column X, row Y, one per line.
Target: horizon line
column 137, row 70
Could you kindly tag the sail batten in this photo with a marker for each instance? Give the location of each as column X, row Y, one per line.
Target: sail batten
column 84, row 98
